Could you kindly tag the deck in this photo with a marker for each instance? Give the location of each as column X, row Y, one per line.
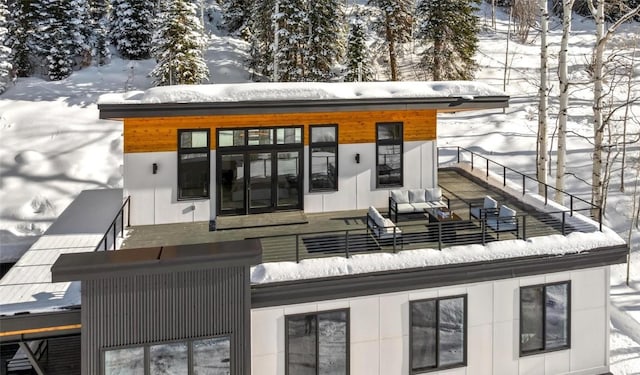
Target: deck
column 343, row 233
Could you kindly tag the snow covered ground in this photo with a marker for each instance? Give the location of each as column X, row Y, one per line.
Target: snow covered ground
column 54, row 145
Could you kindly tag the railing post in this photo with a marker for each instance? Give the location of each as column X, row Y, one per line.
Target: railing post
column 600, row 218
column 487, row 167
column 346, row 243
column 472, row 160
column 546, row 194
column 524, row 183
column 563, row 222
column 483, row 228
column 115, row 235
column 458, row 154
column 571, row 203
column 524, row 227
column 439, row 235
column 128, row 211
column 297, row 248
column 122, row 224
column 394, row 239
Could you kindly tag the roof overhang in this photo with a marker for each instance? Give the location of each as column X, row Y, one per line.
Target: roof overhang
column 449, row 104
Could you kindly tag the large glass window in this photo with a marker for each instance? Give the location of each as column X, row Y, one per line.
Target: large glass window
column 323, row 148
column 544, row 317
column 209, row 356
column 318, row 343
column 438, row 333
column 193, row 164
column 389, row 154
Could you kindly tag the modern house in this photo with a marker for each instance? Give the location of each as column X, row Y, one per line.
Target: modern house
column 257, row 246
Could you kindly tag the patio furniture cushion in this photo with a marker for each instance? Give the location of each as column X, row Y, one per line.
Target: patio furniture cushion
column 433, row 194
column 400, row 196
column 506, row 220
column 404, row 208
column 417, row 196
column 422, row 206
column 489, row 204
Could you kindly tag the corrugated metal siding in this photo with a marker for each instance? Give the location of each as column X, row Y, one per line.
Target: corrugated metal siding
column 63, row 356
column 160, row 307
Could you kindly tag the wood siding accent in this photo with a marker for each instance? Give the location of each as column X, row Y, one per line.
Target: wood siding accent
column 161, row 134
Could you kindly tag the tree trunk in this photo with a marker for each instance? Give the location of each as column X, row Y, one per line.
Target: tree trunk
column 567, row 6
column 393, row 63
column 543, row 99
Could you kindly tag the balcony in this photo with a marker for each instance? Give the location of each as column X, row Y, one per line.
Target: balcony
column 466, row 180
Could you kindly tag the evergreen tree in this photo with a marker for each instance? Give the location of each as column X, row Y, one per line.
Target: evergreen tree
column 82, row 30
column 292, row 36
column 178, row 44
column 5, row 52
column 448, row 31
column 235, row 15
column 20, row 26
column 55, row 42
column 358, row 56
column 132, row 27
column 99, row 14
column 325, row 45
column 394, row 26
column 261, row 28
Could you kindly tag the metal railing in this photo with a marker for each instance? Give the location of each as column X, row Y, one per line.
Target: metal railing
column 411, row 235
column 478, row 161
column 110, row 239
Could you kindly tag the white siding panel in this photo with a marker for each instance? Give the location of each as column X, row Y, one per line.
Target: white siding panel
column 480, row 303
column 505, row 349
column 588, row 289
column 557, row 362
column 265, row 331
column 532, row 365
column 265, row 365
column 365, row 319
column 505, row 297
column 394, row 355
column 394, row 315
column 365, row 358
column 588, row 339
column 479, row 345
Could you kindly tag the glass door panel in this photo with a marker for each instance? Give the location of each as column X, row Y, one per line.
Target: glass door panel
column 232, row 187
column 288, row 168
column 260, row 182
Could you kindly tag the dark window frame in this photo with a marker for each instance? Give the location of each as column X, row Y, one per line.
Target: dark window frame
column 465, row 335
column 316, row 313
column 544, row 319
column 389, row 142
column 323, row 144
column 274, row 145
column 147, row 350
column 197, row 150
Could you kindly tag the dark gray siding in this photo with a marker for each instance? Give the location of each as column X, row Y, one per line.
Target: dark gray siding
column 131, row 310
column 63, row 356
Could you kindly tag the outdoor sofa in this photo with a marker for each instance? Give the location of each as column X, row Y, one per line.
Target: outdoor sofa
column 414, row 201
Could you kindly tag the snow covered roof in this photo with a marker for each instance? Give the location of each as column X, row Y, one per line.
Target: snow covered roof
column 265, row 97
column 269, row 91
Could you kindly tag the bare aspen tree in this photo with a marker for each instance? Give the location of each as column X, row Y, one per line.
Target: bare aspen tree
column 626, row 110
column 543, row 94
column 563, row 77
column 602, row 38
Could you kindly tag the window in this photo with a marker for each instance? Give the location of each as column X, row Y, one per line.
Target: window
column 389, row 154
column 323, row 163
column 438, row 333
column 205, row 356
column 544, row 317
column 193, row 164
column 317, row 343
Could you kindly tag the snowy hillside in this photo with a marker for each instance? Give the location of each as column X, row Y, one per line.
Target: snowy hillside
column 54, row 145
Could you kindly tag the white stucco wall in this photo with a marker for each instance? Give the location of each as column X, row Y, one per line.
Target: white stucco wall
column 154, row 197
column 379, row 329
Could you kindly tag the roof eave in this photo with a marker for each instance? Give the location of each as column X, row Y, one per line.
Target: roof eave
column 146, row 110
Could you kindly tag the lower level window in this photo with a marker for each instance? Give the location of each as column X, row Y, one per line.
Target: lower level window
column 438, row 333
column 204, row 356
column 318, row 343
column 544, row 317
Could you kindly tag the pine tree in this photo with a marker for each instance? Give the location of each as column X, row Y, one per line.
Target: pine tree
column 235, row 15
column 292, row 37
column 261, row 28
column 325, row 44
column 55, row 42
column 20, row 26
column 99, row 14
column 448, row 31
column 358, row 56
column 5, row 52
column 178, row 44
column 394, row 26
column 82, row 30
column 132, row 27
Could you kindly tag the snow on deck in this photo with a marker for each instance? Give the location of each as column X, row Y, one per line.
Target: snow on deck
column 277, row 91
column 27, row 287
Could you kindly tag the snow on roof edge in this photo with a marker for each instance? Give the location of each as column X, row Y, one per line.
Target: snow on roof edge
column 280, row 91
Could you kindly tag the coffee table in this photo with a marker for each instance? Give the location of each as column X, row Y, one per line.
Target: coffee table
column 441, row 215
